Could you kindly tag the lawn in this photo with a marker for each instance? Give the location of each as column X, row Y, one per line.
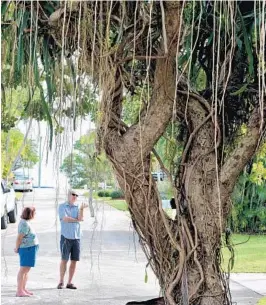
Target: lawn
column 249, row 256
column 262, row 301
column 118, row 204
column 19, row 195
column 250, row 252
column 95, row 196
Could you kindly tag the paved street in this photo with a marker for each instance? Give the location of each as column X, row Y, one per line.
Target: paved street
column 112, row 268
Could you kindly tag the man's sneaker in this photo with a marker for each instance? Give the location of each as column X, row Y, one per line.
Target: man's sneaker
column 71, row 286
column 60, row 286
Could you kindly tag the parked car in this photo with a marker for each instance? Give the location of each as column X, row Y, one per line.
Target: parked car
column 8, row 206
column 22, row 183
column 160, row 175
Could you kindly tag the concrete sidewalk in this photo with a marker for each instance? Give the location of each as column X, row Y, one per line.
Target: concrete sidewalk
column 112, row 268
column 247, row 288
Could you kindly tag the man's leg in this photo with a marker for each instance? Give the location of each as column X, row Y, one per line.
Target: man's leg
column 63, row 266
column 72, row 269
column 65, row 251
column 75, row 255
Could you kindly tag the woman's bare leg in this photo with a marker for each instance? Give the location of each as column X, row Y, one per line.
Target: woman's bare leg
column 25, row 282
column 20, row 282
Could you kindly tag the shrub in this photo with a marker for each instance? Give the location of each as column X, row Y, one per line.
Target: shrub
column 103, row 194
column 117, row 194
column 100, row 193
column 107, row 194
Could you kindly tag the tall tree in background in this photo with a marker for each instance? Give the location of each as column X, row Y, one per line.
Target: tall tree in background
column 84, row 167
column 196, row 66
column 249, row 197
column 11, row 144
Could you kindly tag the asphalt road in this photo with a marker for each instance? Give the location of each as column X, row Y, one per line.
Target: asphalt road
column 112, row 266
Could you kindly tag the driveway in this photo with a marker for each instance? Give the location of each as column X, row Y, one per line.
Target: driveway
column 112, row 267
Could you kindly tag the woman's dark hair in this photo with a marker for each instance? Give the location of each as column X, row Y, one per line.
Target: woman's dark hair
column 28, row 213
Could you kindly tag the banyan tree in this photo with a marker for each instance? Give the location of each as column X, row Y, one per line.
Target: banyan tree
column 194, row 73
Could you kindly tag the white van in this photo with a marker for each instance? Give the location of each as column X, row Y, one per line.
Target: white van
column 8, row 206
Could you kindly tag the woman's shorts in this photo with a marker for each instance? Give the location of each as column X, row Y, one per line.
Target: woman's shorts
column 28, row 256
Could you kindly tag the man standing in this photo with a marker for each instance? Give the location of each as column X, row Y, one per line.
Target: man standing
column 70, row 215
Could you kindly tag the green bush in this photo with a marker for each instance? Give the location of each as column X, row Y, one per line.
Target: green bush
column 249, row 211
column 100, row 193
column 103, row 194
column 117, row 194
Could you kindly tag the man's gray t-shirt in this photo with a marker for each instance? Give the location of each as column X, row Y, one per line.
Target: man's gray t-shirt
column 70, row 230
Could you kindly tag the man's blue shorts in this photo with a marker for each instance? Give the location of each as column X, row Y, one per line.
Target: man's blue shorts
column 70, row 247
column 27, row 256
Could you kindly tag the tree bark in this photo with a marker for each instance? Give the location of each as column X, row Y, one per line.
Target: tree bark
column 183, row 253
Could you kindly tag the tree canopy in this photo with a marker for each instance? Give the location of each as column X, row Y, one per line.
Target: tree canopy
column 84, row 167
column 11, row 143
column 49, row 31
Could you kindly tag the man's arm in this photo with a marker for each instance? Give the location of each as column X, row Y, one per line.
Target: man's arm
column 63, row 216
column 70, row 219
column 80, row 217
column 81, row 211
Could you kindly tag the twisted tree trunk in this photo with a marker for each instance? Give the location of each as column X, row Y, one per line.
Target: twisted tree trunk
column 184, row 253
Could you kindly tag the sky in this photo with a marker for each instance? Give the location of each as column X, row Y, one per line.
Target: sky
column 51, row 160
column 62, row 146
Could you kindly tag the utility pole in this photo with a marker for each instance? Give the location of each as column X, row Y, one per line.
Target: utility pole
column 40, row 162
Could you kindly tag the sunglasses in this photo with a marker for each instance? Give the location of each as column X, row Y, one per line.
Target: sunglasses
column 75, row 195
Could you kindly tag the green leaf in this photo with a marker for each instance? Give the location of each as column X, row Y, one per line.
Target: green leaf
column 239, row 91
column 48, row 8
column 239, row 43
column 44, row 104
column 48, row 115
column 48, row 71
column 20, row 54
column 146, row 276
column 73, row 73
column 248, row 47
column 3, row 95
column 4, row 7
column 210, row 39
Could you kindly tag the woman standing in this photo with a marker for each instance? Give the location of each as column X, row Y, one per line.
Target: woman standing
column 26, row 246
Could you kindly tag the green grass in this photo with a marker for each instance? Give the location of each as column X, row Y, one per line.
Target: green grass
column 119, row 204
column 262, row 301
column 19, row 195
column 102, row 198
column 249, row 256
column 95, row 196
